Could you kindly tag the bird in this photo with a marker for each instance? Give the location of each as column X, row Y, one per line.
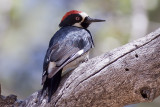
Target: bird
column 68, row 48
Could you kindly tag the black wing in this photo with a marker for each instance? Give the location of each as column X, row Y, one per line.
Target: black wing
column 69, row 47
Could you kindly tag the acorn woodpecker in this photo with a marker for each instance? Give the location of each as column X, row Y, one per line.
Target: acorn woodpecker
column 68, row 48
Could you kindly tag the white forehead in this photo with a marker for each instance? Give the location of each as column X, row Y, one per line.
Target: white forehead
column 83, row 14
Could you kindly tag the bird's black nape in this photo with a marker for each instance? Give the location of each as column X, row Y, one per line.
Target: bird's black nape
column 52, row 84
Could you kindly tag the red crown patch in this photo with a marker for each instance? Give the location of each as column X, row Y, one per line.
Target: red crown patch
column 69, row 13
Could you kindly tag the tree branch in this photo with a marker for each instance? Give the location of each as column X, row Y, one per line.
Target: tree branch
column 126, row 75
column 7, row 101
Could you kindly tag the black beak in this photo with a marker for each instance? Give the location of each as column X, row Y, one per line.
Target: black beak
column 90, row 20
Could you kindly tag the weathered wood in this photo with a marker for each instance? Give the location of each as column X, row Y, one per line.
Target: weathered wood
column 7, row 101
column 126, row 75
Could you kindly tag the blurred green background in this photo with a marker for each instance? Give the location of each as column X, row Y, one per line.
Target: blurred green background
column 26, row 27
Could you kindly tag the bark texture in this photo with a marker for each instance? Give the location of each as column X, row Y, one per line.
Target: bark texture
column 7, row 101
column 126, row 75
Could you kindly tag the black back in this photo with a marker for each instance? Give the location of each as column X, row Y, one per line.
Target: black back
column 65, row 43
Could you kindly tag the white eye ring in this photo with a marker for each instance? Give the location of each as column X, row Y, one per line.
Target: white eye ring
column 77, row 18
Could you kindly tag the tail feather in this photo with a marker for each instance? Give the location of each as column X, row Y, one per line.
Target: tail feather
column 52, row 84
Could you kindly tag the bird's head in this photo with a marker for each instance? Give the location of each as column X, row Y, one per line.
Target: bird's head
column 78, row 19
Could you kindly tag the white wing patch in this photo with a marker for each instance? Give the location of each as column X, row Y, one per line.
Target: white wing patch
column 51, row 66
column 80, row 52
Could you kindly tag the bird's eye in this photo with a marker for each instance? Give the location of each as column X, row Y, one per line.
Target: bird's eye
column 77, row 18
